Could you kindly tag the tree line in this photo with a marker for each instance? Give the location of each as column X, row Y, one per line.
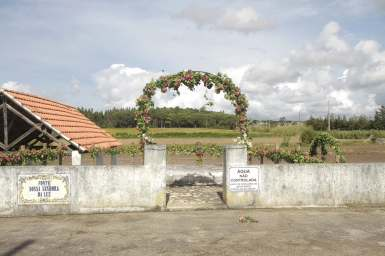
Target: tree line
column 350, row 123
column 162, row 118
column 202, row 118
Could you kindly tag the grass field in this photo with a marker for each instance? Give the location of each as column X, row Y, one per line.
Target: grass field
column 129, row 133
column 255, row 132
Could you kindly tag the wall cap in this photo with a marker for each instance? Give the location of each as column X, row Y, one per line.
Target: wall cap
column 235, row 146
column 154, row 147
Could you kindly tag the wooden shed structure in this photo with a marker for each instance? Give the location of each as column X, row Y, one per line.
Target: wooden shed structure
column 32, row 121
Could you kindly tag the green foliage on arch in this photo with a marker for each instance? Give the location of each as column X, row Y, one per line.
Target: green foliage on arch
column 191, row 79
column 324, row 141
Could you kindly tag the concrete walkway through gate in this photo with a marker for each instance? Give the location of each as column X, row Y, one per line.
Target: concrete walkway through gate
column 194, row 198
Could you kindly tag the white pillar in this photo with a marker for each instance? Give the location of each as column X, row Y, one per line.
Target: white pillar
column 155, row 155
column 236, row 156
column 155, row 160
column 76, row 158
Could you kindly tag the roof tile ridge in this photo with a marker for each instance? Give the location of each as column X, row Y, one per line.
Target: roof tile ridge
column 38, row 97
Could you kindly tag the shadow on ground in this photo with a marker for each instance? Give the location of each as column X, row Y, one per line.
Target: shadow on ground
column 19, row 247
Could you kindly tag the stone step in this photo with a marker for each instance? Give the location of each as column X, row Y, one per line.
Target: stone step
column 195, row 198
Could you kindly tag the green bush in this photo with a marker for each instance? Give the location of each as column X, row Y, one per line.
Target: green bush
column 307, row 135
column 324, row 141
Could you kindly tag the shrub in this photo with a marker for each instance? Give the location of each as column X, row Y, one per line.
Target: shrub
column 324, row 141
column 308, row 135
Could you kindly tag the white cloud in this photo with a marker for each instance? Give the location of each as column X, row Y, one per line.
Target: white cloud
column 16, row 86
column 193, row 99
column 330, row 38
column 244, row 20
column 350, row 76
column 236, row 73
column 342, row 97
column 120, row 86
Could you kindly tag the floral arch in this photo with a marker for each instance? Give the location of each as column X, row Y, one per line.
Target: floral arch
column 191, row 79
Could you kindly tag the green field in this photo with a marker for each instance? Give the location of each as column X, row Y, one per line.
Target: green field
column 128, row 133
column 255, row 132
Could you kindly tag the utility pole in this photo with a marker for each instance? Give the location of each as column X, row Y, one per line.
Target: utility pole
column 328, row 115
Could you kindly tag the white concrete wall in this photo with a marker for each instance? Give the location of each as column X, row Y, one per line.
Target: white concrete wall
column 309, row 185
column 93, row 189
column 321, row 185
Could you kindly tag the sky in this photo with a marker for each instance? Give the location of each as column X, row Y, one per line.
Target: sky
column 289, row 57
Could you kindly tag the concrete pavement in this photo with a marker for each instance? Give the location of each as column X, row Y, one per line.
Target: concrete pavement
column 215, row 232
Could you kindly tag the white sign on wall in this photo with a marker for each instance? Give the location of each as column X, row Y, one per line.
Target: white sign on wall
column 243, row 179
column 43, row 189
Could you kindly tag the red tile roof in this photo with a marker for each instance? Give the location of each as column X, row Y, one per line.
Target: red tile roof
column 66, row 120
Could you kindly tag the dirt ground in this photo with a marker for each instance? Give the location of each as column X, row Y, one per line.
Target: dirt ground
column 356, row 151
column 364, row 152
column 216, row 232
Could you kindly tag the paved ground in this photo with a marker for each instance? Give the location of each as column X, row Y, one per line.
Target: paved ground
column 216, row 232
column 195, row 197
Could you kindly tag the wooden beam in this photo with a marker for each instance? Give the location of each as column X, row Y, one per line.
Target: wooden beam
column 3, row 146
column 21, row 137
column 36, row 140
column 32, row 124
column 5, row 119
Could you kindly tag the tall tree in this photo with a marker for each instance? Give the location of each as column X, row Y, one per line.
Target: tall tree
column 379, row 118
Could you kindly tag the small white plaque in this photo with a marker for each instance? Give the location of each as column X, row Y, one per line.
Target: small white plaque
column 244, row 179
column 43, row 189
